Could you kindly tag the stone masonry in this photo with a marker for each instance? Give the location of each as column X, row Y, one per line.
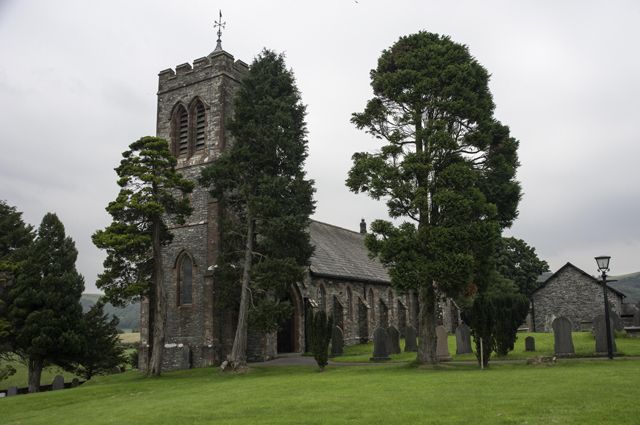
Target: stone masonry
column 572, row 293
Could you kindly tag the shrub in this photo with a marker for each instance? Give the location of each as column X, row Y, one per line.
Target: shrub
column 319, row 337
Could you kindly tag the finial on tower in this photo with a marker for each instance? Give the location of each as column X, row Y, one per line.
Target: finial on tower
column 220, row 25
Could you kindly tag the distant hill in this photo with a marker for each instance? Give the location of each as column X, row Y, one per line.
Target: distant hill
column 129, row 315
column 628, row 284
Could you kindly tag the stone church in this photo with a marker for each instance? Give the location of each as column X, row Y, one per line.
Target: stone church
column 194, row 101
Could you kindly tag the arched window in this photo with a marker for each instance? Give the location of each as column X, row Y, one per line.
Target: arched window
column 199, row 121
column 323, row 298
column 185, row 280
column 349, row 303
column 180, row 131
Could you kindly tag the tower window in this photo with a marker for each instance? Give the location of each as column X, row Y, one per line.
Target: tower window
column 183, row 132
column 199, row 126
column 185, row 280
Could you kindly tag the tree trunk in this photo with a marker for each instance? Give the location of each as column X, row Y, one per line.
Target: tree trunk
column 35, row 372
column 428, row 322
column 159, row 306
column 238, row 357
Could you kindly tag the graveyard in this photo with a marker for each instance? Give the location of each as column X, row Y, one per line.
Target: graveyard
column 569, row 392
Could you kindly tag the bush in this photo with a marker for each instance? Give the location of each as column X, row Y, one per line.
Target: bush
column 320, row 328
column 133, row 358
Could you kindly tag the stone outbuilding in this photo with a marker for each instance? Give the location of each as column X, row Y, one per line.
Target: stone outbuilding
column 572, row 293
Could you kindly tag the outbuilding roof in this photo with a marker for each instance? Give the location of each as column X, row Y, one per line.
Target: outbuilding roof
column 341, row 254
column 547, row 279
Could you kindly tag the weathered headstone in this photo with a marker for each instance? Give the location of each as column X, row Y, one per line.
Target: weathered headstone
column 617, row 321
column 410, row 342
column 337, row 341
column 563, row 341
column 75, row 382
column 636, row 318
column 600, row 332
column 463, row 339
column 529, row 344
column 380, row 345
column 393, row 336
column 442, row 346
column 58, row 383
column 12, row 391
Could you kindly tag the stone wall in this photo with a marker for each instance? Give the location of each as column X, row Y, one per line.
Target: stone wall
column 573, row 294
column 199, row 333
column 375, row 303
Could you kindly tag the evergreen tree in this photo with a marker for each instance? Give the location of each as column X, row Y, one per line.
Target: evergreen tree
column 320, row 328
column 44, row 309
column 103, row 350
column 519, row 262
column 151, row 190
column 15, row 237
column 261, row 184
column 446, row 165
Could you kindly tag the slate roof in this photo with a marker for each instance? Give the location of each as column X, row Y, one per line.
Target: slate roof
column 341, row 254
column 547, row 279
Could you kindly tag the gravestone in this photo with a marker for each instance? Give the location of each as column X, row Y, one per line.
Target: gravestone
column 410, row 342
column 393, row 336
column 442, row 346
column 617, row 322
column 58, row 383
column 529, row 344
column 463, row 339
column 562, row 339
column 75, row 382
column 600, row 332
column 337, row 341
column 12, row 391
column 3, row 395
column 380, row 345
column 636, row 318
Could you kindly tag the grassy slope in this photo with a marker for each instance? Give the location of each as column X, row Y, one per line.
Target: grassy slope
column 21, row 376
column 577, row 392
column 583, row 342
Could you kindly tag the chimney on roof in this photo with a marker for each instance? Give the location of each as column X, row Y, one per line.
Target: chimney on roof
column 363, row 226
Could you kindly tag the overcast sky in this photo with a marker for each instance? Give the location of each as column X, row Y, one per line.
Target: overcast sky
column 78, row 83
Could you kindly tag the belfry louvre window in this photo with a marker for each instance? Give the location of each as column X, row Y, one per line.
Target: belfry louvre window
column 199, row 126
column 185, row 280
column 183, row 132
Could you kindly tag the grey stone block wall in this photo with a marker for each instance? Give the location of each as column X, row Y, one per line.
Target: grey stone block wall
column 573, row 294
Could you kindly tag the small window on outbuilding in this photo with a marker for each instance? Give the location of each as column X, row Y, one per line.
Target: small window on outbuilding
column 185, row 280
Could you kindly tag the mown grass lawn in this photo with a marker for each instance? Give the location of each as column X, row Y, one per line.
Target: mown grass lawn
column 570, row 392
column 583, row 342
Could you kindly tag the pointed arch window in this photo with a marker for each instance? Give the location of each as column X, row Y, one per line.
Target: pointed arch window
column 185, row 280
column 200, row 123
column 180, row 131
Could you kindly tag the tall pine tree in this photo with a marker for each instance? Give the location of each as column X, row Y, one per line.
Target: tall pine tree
column 446, row 165
column 15, row 238
column 44, row 308
column 151, row 191
column 261, row 183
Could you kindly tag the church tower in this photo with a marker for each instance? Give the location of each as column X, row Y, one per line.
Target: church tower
column 194, row 101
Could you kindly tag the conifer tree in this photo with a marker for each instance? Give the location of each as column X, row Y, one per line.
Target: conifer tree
column 102, row 348
column 15, row 238
column 320, row 328
column 151, row 191
column 261, row 183
column 44, row 309
column 446, row 165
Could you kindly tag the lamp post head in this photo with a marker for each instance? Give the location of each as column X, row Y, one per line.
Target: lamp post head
column 603, row 262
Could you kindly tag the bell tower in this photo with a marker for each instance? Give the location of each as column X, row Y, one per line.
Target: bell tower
column 194, row 102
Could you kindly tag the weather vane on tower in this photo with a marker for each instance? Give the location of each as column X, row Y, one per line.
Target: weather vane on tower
column 220, row 25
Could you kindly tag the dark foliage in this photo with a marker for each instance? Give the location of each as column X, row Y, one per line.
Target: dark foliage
column 320, row 329
column 102, row 349
column 44, row 309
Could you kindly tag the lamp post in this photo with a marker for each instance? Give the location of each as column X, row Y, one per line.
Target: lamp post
column 603, row 267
